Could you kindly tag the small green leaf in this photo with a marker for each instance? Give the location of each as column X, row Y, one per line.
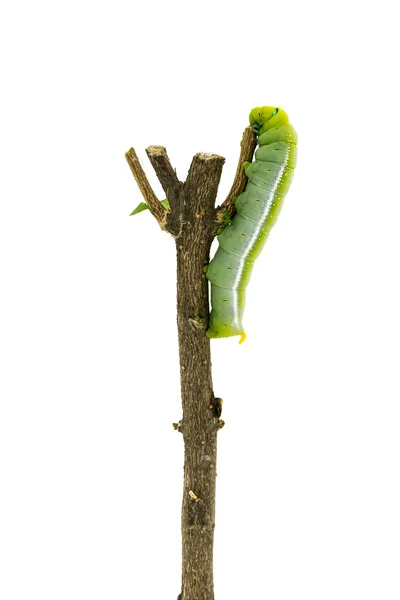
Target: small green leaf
column 140, row 208
column 143, row 206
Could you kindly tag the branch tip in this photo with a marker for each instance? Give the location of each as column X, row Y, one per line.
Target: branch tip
column 144, row 186
column 171, row 185
column 227, row 208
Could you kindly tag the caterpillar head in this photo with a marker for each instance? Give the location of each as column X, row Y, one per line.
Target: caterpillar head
column 263, row 118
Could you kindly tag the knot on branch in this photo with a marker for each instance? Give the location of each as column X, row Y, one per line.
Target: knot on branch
column 178, row 426
column 196, row 512
column 197, row 322
column 216, row 407
column 193, row 496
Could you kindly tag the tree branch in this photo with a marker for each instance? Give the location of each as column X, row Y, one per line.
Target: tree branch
column 193, row 210
column 200, row 424
column 144, row 186
column 248, row 145
column 164, row 170
column 172, row 187
column 202, row 183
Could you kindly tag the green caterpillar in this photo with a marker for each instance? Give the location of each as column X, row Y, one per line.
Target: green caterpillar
column 258, row 207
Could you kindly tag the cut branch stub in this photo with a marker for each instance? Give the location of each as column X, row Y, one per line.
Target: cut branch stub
column 249, row 142
column 172, row 187
column 202, row 183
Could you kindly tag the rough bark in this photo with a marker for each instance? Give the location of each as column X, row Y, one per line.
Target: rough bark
column 200, row 421
column 193, row 221
column 171, row 186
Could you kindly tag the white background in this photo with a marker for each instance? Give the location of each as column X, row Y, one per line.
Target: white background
column 91, row 468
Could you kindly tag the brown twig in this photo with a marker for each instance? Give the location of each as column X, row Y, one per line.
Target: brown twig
column 164, row 170
column 249, row 142
column 144, row 186
column 172, row 187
